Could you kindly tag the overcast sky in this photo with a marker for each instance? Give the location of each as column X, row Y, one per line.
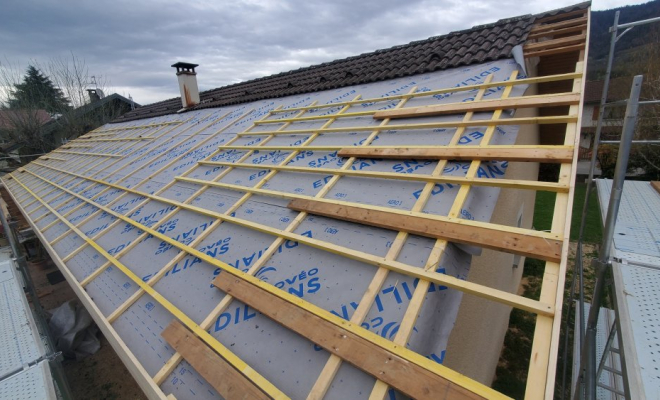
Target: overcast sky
column 133, row 43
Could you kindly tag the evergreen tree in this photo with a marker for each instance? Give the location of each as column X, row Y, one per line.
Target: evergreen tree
column 37, row 91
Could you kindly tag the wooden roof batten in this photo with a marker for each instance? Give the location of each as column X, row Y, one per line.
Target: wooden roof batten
column 68, row 181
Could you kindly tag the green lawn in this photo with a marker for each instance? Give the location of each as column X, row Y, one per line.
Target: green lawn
column 514, row 361
column 545, row 203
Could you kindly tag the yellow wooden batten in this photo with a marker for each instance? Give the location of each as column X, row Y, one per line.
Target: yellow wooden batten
column 508, row 183
column 446, row 280
column 430, row 125
column 526, row 81
column 239, row 364
column 403, row 352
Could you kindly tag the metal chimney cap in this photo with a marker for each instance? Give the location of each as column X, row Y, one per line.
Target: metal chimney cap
column 184, row 67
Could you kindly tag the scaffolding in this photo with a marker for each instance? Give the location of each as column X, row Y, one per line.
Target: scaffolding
column 590, row 367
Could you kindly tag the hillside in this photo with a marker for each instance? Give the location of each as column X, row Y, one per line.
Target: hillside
column 632, row 46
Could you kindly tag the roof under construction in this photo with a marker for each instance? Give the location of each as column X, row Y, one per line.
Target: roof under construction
column 303, row 237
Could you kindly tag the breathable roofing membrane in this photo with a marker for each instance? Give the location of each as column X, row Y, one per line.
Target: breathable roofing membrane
column 145, row 214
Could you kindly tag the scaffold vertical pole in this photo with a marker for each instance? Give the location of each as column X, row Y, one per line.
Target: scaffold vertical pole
column 588, row 357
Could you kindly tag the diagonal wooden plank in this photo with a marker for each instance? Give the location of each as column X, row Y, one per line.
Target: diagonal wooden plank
column 405, row 376
column 510, row 242
column 548, row 154
column 562, row 99
column 229, row 383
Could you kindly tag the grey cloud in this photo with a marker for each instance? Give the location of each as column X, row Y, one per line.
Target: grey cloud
column 133, row 43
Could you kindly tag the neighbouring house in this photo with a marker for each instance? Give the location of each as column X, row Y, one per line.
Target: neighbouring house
column 352, row 229
column 61, row 128
column 613, row 118
column 100, row 110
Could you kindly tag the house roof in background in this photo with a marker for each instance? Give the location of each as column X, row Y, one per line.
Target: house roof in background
column 618, row 90
column 593, row 90
column 479, row 44
column 8, row 118
column 84, row 109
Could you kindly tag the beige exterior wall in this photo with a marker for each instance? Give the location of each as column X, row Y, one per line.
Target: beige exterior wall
column 476, row 341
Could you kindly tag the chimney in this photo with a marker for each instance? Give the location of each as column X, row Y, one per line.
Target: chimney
column 93, row 95
column 187, row 83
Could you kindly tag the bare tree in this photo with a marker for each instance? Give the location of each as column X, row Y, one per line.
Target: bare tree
column 24, row 120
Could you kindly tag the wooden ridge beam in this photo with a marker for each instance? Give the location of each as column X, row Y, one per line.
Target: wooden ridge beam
column 407, row 377
column 540, row 248
column 557, row 50
column 562, row 99
column 229, row 383
column 548, row 154
column 458, row 180
column 562, row 119
column 554, row 43
column 558, row 25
